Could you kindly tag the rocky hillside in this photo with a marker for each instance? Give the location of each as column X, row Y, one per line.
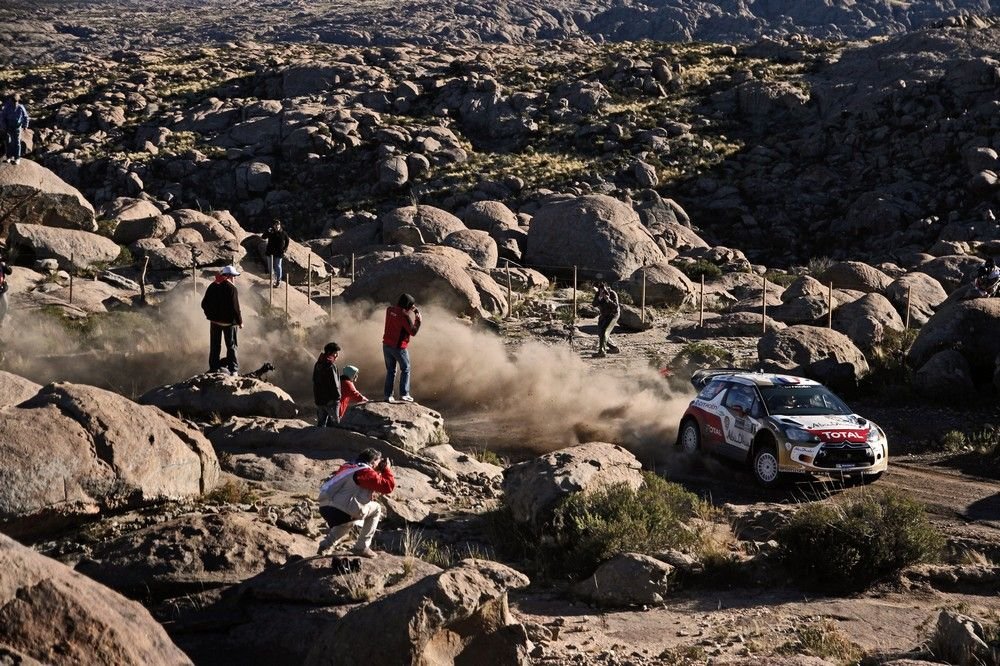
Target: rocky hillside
column 51, row 31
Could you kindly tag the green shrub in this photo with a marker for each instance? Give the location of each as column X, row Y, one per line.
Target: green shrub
column 850, row 545
column 695, row 269
column 704, row 353
column 589, row 528
column 232, row 492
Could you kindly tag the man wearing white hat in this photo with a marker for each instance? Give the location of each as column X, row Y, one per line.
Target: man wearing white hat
column 221, row 305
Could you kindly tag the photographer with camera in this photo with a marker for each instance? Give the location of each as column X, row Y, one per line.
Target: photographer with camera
column 347, row 498
column 402, row 321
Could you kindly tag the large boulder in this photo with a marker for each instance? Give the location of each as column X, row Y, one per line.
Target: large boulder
column 433, row 223
column 627, row 579
column 665, row 286
column 213, row 395
column 200, row 254
column 70, row 247
column 970, row 328
column 15, row 389
column 31, row 194
column 923, row 292
column 951, row 271
column 50, row 614
column 819, row 353
column 157, row 226
column 489, row 216
column 855, row 275
column 73, row 451
column 533, row 488
column 429, row 277
column 477, row 244
column 946, row 373
column 601, row 235
column 409, row 426
column 866, row 321
column 458, row 616
column 192, row 553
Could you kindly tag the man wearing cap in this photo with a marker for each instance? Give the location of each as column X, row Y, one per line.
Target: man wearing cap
column 221, row 305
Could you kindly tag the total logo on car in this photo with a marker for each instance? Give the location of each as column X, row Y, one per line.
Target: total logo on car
column 781, row 425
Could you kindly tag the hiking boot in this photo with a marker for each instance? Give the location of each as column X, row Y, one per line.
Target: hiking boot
column 600, row 354
column 365, row 552
column 613, row 350
column 406, row 398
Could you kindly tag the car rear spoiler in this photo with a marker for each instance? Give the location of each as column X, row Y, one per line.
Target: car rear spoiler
column 702, row 377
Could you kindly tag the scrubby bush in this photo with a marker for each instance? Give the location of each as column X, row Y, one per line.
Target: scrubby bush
column 849, row 545
column 696, row 269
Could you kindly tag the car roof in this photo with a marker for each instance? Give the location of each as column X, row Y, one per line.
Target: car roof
column 754, row 378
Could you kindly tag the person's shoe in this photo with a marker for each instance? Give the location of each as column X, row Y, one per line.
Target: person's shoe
column 600, row 354
column 614, row 350
column 391, row 399
column 365, row 552
column 16, row 161
column 406, row 398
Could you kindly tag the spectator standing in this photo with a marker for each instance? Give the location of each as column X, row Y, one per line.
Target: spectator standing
column 277, row 245
column 347, row 499
column 349, row 394
column 402, row 321
column 4, row 286
column 326, row 386
column 221, row 306
column 606, row 300
column 13, row 118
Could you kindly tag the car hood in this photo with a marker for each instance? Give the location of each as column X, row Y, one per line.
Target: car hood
column 831, row 427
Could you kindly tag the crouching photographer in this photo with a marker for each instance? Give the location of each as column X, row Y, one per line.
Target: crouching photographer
column 347, row 498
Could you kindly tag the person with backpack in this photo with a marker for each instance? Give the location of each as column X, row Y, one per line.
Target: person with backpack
column 13, row 118
column 402, row 321
column 606, row 300
column 349, row 395
column 221, row 306
column 277, row 245
column 347, row 498
column 987, row 280
column 327, row 387
column 4, row 286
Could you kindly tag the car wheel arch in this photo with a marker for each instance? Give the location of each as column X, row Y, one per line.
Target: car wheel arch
column 763, row 438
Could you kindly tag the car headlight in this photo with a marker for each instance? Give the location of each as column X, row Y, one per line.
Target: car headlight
column 874, row 434
column 799, row 435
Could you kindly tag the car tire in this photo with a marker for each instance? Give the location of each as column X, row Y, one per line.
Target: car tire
column 689, row 438
column 764, row 466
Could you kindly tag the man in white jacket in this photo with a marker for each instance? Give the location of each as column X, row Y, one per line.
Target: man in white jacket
column 347, row 499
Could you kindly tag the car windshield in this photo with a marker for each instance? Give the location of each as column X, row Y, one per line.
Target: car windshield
column 802, row 401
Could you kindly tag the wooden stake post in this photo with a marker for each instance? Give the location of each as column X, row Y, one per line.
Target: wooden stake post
column 829, row 307
column 763, row 308
column 643, row 306
column 510, row 303
column 701, row 304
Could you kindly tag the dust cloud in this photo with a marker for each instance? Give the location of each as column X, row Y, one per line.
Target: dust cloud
column 533, row 397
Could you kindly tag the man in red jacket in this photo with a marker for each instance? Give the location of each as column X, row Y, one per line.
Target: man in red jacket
column 347, row 499
column 402, row 321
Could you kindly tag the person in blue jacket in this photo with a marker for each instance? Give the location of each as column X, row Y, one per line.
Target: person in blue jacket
column 13, row 118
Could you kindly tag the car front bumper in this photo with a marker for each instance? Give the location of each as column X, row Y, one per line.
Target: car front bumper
column 834, row 458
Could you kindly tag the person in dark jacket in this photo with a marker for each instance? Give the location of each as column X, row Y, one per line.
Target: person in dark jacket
column 609, row 310
column 13, row 118
column 277, row 245
column 221, row 306
column 401, row 322
column 326, row 386
column 4, row 286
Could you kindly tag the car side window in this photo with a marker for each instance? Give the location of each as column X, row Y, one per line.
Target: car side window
column 740, row 396
column 711, row 390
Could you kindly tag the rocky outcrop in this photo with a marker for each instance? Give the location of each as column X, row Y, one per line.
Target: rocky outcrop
column 71, row 248
column 867, row 321
column 457, row 616
column 627, row 579
column 532, row 489
column 31, row 194
column 968, row 327
column 601, row 235
column 50, row 614
column 819, row 353
column 857, row 276
column 923, row 293
column 214, row 395
column 74, row 451
column 665, row 286
column 15, row 389
column 409, row 426
column 433, row 223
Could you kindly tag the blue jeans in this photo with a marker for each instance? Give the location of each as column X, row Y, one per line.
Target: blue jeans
column 275, row 268
column 216, row 335
column 13, row 139
column 394, row 355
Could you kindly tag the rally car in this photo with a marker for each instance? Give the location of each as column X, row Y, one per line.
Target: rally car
column 781, row 425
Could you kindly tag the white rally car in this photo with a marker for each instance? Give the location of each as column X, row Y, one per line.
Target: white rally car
column 780, row 424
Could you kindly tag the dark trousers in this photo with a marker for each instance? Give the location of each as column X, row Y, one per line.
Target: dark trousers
column 13, row 140
column 217, row 334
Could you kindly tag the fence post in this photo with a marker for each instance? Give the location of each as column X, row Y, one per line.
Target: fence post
column 643, row 299
column 510, row 303
column 763, row 307
column 352, row 268
column 331, row 295
column 701, row 304
column 194, row 275
column 71, row 264
column 908, row 290
column 574, row 298
column 309, row 278
column 829, row 307
column 286, row 296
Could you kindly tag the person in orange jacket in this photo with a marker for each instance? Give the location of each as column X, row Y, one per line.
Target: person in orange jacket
column 349, row 394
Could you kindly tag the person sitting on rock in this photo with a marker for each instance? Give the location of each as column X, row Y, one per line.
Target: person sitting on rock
column 277, row 245
column 987, row 280
column 327, row 386
column 349, row 395
column 13, row 119
column 221, row 306
column 606, row 301
column 347, row 498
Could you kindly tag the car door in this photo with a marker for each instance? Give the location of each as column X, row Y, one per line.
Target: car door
column 740, row 420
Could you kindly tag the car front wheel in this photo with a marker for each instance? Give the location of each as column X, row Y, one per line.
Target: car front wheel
column 765, row 466
column 690, row 439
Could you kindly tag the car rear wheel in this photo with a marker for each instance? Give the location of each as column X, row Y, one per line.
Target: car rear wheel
column 765, row 466
column 690, row 439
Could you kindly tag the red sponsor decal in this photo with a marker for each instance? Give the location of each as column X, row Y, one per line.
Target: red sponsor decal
column 852, row 436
